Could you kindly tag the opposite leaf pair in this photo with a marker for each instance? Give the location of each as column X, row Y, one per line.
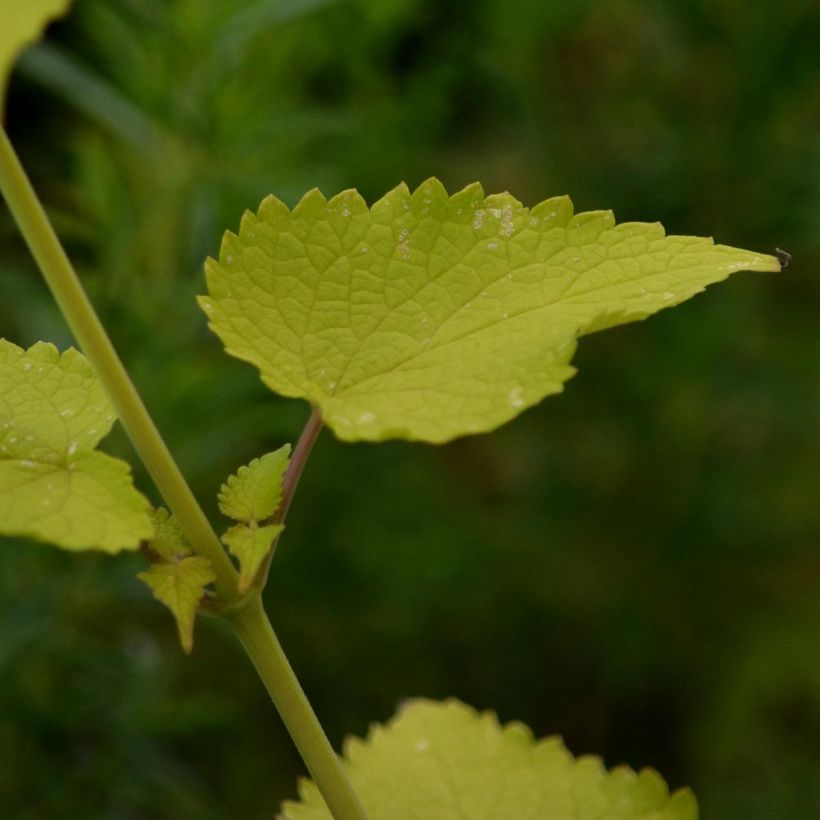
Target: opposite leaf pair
column 178, row 578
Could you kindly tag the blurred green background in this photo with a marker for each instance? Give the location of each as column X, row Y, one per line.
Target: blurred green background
column 633, row 564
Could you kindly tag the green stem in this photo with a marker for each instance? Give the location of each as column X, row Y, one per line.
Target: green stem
column 249, row 620
column 256, row 633
column 94, row 341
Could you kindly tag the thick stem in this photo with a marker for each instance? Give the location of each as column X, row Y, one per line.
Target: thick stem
column 263, row 647
column 94, row 342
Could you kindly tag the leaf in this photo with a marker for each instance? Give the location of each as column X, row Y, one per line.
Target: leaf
column 168, row 541
column 51, row 405
column 90, row 501
column 179, row 578
column 22, row 24
column 250, row 544
column 251, row 496
column 428, row 317
column 254, row 492
column 446, row 761
column 180, row 585
column 53, row 486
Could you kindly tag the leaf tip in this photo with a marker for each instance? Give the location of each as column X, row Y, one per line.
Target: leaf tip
column 271, row 207
column 468, row 199
column 44, row 352
column 348, row 202
column 431, row 190
column 557, row 209
column 313, row 202
column 394, row 201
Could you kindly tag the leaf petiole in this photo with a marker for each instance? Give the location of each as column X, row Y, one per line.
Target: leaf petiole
column 296, row 466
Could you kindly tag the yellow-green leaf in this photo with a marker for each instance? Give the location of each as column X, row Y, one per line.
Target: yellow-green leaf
column 253, row 493
column 448, row 762
column 53, row 485
column 89, row 501
column 180, row 585
column 51, row 404
column 21, row 23
column 250, row 544
column 429, row 317
column 168, row 541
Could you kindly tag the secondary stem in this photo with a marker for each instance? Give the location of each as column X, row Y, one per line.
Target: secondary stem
column 296, row 467
column 263, row 647
column 297, row 463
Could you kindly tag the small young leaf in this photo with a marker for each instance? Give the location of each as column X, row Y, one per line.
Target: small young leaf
column 430, row 317
column 169, row 542
column 22, row 24
column 446, row 761
column 180, row 585
column 53, row 486
column 250, row 544
column 254, row 492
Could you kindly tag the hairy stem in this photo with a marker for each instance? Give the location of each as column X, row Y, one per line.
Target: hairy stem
column 256, row 633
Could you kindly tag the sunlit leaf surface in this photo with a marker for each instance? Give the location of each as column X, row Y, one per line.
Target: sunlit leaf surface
column 53, row 485
column 428, row 316
column 448, row 762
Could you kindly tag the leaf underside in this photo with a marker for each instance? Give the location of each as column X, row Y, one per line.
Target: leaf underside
column 178, row 578
column 429, row 317
column 448, row 762
column 53, row 485
column 180, row 585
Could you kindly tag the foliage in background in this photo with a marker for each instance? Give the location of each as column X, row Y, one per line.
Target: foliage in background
column 641, row 556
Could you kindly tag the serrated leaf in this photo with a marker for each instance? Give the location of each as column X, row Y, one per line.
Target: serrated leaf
column 180, row 585
column 428, row 317
column 168, row 541
column 51, row 404
column 22, row 23
column 448, row 762
column 53, row 486
column 250, row 544
column 254, row 492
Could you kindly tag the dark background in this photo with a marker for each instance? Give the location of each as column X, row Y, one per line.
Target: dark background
column 633, row 564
